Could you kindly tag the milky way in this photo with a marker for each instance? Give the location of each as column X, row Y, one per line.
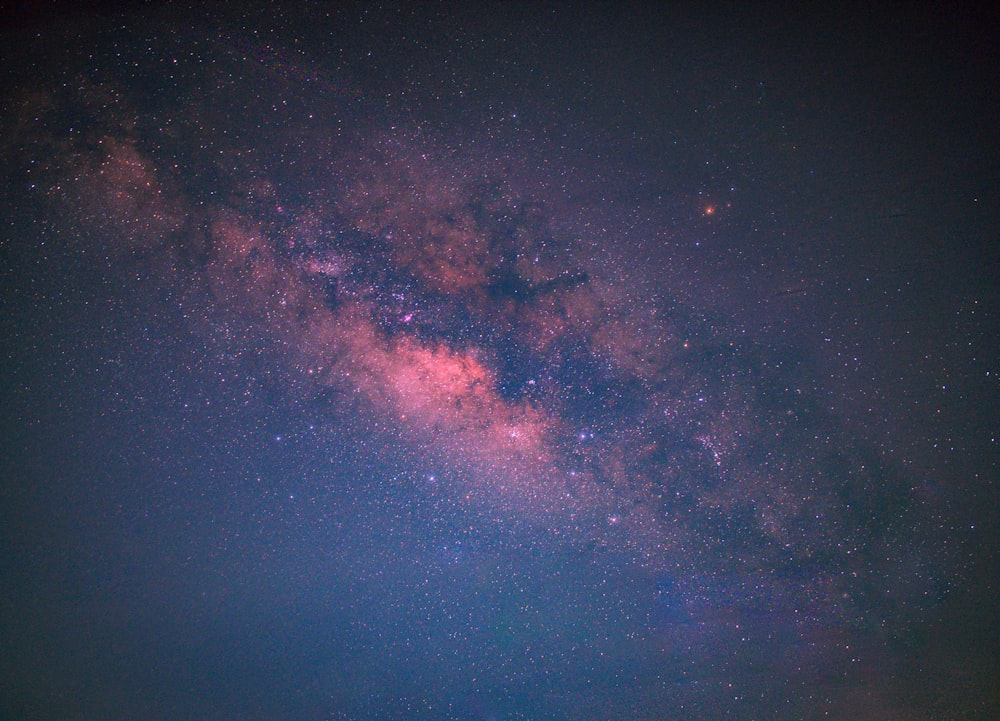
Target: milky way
column 484, row 459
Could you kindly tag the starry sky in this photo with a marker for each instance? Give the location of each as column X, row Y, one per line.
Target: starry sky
column 577, row 362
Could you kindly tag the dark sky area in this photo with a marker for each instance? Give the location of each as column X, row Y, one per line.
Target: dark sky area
column 576, row 362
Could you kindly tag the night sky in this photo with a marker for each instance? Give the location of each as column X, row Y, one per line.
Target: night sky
column 560, row 362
